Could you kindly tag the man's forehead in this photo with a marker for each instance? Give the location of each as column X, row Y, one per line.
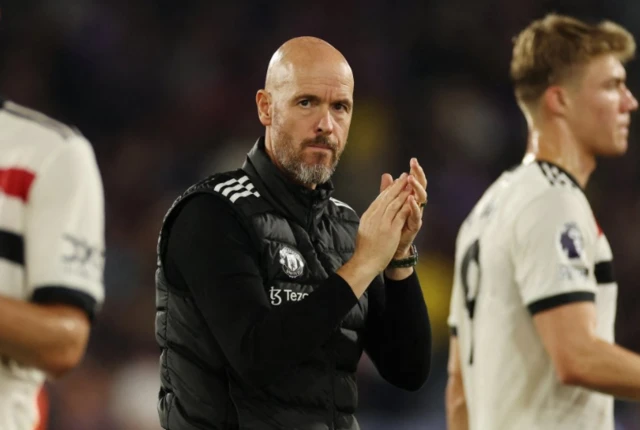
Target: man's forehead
column 319, row 79
column 605, row 67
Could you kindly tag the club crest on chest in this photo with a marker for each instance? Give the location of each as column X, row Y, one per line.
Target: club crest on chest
column 291, row 261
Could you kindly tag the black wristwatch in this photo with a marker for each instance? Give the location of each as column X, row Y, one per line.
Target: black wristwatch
column 409, row 261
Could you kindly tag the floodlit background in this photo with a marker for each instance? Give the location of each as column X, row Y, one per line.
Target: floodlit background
column 165, row 92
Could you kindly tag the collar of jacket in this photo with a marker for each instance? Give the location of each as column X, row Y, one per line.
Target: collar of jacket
column 301, row 204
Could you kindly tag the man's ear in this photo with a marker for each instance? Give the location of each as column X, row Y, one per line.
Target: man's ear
column 263, row 102
column 557, row 100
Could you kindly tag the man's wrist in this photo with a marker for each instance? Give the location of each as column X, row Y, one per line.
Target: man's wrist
column 398, row 274
column 363, row 265
column 401, row 267
column 404, row 253
column 409, row 259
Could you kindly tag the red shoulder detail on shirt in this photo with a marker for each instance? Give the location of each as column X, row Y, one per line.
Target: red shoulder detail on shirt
column 16, row 182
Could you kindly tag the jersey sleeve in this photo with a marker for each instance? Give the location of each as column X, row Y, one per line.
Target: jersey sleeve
column 554, row 250
column 64, row 235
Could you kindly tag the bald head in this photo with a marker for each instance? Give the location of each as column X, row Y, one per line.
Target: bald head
column 306, row 57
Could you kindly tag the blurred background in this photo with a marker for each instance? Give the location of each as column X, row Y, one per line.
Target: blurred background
column 165, row 92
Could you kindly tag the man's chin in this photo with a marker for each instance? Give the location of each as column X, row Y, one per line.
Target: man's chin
column 316, row 172
column 621, row 148
column 614, row 148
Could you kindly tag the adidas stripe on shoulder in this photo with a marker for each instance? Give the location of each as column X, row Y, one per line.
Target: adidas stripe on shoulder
column 236, row 188
column 231, row 188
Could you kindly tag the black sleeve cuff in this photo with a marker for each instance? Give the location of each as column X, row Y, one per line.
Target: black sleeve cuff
column 604, row 272
column 453, row 330
column 559, row 300
column 403, row 283
column 344, row 295
column 66, row 296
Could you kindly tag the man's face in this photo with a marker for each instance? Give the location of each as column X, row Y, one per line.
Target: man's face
column 601, row 107
column 311, row 113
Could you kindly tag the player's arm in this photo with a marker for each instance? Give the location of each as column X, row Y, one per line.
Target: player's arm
column 63, row 257
column 456, row 404
column 555, row 245
column 582, row 358
column 49, row 337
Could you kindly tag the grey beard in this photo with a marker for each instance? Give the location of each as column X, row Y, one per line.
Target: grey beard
column 293, row 165
column 308, row 175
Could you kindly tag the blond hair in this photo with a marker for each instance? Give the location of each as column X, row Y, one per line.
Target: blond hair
column 547, row 51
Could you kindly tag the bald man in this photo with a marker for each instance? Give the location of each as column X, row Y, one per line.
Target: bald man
column 269, row 289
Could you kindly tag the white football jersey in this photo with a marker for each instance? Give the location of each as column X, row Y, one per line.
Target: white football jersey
column 51, row 235
column 530, row 244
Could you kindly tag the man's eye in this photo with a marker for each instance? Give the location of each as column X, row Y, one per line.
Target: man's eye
column 304, row 103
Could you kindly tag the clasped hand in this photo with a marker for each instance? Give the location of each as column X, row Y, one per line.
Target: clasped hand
column 390, row 224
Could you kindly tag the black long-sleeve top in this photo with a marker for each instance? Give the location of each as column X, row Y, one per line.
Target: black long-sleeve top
column 211, row 254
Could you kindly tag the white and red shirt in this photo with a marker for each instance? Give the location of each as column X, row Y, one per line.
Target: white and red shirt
column 530, row 244
column 51, row 234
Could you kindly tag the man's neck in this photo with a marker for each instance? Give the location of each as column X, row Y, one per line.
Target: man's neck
column 561, row 148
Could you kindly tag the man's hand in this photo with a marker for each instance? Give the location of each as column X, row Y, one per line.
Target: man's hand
column 378, row 236
column 417, row 185
column 381, row 225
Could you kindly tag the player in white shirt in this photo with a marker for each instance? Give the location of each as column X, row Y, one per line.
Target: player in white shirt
column 534, row 296
column 51, row 256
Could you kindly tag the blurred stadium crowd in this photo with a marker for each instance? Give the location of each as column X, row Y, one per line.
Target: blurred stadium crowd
column 165, row 92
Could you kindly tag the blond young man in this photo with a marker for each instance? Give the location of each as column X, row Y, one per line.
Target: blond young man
column 534, row 296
